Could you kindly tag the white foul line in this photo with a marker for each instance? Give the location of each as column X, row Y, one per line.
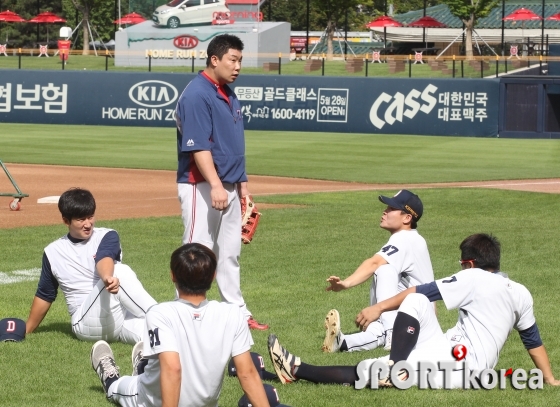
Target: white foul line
column 18, row 276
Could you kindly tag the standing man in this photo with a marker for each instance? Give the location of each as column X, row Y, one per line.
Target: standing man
column 105, row 299
column 187, row 345
column 211, row 173
column 402, row 263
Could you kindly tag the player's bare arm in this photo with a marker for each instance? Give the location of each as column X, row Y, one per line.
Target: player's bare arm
column 362, row 274
column 105, row 268
column 249, row 379
column 170, row 379
column 39, row 309
column 541, row 361
column 370, row 314
column 205, row 164
column 243, row 190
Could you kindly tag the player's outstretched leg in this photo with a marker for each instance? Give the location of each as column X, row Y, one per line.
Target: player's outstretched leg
column 333, row 336
column 283, row 361
column 103, row 362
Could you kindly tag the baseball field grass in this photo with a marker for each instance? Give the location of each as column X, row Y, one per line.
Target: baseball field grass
column 331, row 156
column 294, row 251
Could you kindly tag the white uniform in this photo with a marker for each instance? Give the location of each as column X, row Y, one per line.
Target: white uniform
column 490, row 305
column 220, row 231
column 204, row 336
column 96, row 314
column 409, row 265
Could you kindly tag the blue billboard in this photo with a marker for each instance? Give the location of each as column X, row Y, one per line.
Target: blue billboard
column 452, row 107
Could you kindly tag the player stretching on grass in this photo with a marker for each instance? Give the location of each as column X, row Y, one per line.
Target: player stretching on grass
column 104, row 297
column 187, row 345
column 490, row 306
column 403, row 262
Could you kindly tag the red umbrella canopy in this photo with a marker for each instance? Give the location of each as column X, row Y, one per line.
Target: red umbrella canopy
column 522, row 14
column 383, row 21
column 132, row 18
column 554, row 17
column 47, row 18
column 11, row 17
column 427, row 22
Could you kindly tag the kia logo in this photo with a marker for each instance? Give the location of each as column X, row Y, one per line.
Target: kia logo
column 153, row 93
column 185, row 41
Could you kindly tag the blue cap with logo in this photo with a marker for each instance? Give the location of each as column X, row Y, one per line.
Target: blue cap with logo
column 405, row 201
column 12, row 330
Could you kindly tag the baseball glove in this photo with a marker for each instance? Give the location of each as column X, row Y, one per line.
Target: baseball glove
column 249, row 219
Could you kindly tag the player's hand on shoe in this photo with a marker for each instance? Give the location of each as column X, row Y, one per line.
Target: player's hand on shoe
column 112, row 284
column 336, row 284
column 219, row 197
column 367, row 316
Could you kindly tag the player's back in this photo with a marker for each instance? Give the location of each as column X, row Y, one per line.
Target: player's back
column 204, row 336
column 490, row 306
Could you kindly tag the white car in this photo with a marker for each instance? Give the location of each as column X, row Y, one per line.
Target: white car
column 187, row 12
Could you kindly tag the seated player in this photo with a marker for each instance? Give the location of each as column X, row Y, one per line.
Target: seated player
column 187, row 345
column 403, row 262
column 105, row 299
column 490, row 305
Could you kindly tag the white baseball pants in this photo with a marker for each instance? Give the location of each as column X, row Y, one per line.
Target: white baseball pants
column 124, row 391
column 433, row 345
column 220, row 231
column 384, row 285
column 114, row 317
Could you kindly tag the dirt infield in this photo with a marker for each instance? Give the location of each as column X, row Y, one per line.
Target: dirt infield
column 126, row 193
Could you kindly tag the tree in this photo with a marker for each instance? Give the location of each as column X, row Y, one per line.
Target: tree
column 469, row 11
column 98, row 13
column 331, row 14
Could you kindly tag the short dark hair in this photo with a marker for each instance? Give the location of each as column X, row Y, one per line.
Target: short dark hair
column 220, row 46
column 413, row 222
column 76, row 203
column 484, row 249
column 193, row 265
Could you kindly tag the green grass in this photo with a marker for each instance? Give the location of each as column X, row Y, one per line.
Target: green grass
column 332, row 68
column 283, row 279
column 345, row 157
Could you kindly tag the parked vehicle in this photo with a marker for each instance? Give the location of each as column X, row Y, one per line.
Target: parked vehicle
column 189, row 12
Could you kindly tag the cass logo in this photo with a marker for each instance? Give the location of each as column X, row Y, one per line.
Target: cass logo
column 153, row 93
column 185, row 41
column 415, row 101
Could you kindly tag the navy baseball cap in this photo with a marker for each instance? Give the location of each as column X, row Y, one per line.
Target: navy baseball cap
column 257, row 360
column 405, row 201
column 12, row 330
column 271, row 395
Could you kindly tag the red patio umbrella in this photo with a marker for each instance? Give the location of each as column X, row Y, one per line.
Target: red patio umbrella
column 426, row 22
column 47, row 18
column 554, row 17
column 10, row 17
column 523, row 15
column 384, row 21
column 132, row 18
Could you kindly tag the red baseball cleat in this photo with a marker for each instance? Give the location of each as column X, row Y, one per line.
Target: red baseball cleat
column 254, row 324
